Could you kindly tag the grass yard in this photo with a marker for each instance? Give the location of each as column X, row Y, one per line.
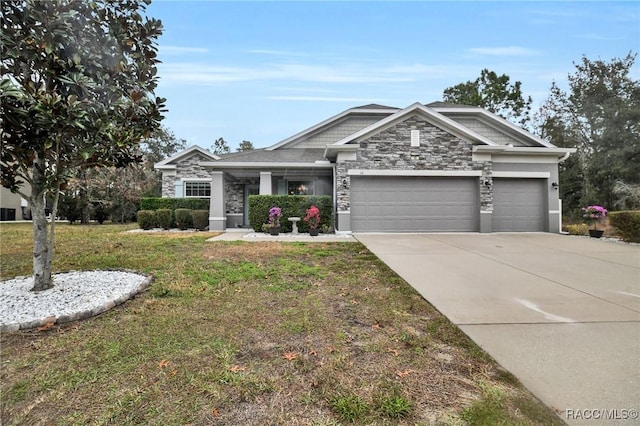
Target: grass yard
column 247, row 334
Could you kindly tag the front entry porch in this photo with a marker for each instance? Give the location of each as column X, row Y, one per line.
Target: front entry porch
column 231, row 189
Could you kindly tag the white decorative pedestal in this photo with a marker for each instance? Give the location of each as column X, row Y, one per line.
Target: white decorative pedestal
column 294, row 224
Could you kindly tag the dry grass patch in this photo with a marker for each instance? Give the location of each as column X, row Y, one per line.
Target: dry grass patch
column 249, row 333
column 175, row 233
column 238, row 251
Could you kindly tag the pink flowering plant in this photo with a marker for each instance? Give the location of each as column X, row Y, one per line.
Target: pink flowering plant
column 312, row 217
column 275, row 213
column 594, row 214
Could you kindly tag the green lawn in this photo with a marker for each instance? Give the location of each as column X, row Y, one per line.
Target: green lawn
column 247, row 333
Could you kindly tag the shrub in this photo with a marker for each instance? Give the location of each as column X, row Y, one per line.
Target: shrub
column 578, row 229
column 627, row 223
column 200, row 219
column 146, row 219
column 155, row 203
column 183, row 218
column 164, row 218
column 291, row 205
column 101, row 212
column 71, row 207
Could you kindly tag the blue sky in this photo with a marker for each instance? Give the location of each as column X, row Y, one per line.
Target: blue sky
column 263, row 71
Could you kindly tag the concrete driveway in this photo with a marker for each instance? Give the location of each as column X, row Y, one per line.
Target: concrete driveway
column 561, row 313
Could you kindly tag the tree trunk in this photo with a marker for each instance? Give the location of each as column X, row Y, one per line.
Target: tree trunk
column 85, row 217
column 42, row 246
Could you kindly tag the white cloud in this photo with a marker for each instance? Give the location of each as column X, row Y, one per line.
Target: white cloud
column 274, row 52
column 558, row 12
column 600, row 37
column 324, row 99
column 186, row 73
column 181, row 50
column 421, row 70
column 503, row 51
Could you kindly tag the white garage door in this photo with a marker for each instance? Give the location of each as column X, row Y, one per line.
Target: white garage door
column 518, row 205
column 406, row 204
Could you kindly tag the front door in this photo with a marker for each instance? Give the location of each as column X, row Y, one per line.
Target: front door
column 249, row 190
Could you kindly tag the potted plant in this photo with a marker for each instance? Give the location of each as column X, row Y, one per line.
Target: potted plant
column 312, row 217
column 275, row 213
column 594, row 214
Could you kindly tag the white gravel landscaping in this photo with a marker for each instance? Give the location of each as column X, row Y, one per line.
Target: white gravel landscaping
column 75, row 295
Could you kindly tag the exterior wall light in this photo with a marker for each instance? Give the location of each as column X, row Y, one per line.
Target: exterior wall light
column 555, row 185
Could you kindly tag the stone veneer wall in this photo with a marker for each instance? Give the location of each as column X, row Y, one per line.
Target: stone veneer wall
column 234, row 194
column 189, row 168
column 391, row 150
column 186, row 168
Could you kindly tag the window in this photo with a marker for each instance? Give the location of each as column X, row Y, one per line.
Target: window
column 197, row 189
column 299, row 188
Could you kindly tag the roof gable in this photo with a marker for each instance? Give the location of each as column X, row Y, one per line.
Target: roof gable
column 373, row 111
column 490, row 121
column 170, row 163
column 428, row 114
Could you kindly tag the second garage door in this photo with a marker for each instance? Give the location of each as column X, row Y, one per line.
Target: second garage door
column 518, row 205
column 407, row 204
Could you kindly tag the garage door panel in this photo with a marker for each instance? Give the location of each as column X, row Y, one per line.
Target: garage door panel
column 388, row 211
column 414, row 204
column 518, row 205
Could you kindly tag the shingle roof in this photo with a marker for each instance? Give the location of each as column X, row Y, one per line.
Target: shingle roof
column 282, row 155
column 441, row 104
column 374, row 106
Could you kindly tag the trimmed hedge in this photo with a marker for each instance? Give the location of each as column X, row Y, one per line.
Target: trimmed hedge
column 627, row 223
column 291, row 205
column 146, row 219
column 155, row 203
column 183, row 218
column 200, row 219
column 164, row 218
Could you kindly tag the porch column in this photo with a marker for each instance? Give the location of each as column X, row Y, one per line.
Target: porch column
column 265, row 183
column 217, row 218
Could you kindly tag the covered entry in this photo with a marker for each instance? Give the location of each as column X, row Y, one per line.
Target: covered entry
column 408, row 204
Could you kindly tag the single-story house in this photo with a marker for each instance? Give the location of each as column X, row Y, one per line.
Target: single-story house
column 438, row 167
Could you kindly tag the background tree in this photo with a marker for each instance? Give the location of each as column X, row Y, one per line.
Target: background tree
column 494, row 93
column 245, row 146
column 77, row 84
column 600, row 115
column 162, row 144
column 116, row 192
column 220, row 147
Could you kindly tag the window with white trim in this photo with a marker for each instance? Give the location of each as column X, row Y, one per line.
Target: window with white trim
column 197, row 189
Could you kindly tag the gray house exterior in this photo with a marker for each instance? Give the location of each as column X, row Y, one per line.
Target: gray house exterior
column 425, row 168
